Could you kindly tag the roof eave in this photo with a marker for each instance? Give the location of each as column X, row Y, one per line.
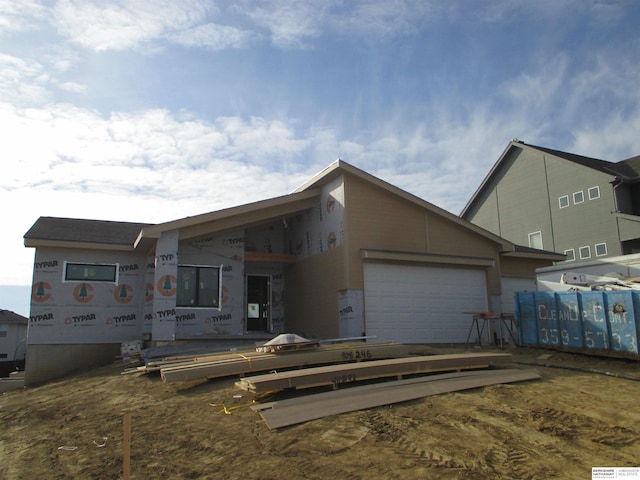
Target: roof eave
column 38, row 243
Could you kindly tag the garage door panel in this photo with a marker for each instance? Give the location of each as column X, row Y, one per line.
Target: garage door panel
column 415, row 304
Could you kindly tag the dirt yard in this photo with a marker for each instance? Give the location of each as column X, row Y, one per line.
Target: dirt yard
column 558, row 427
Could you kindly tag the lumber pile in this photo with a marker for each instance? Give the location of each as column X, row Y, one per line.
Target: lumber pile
column 335, row 375
column 310, row 407
column 241, row 363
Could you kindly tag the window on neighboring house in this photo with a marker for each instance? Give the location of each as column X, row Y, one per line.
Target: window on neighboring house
column 89, row 272
column 585, row 252
column 571, row 255
column 198, row 286
column 535, row 240
column 601, row 249
column 578, row 197
column 594, row 192
column 3, row 355
column 3, row 333
column 563, row 201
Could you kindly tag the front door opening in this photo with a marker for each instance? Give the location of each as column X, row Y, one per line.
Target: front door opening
column 258, row 303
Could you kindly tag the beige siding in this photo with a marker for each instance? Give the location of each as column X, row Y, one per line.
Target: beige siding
column 379, row 220
column 311, row 303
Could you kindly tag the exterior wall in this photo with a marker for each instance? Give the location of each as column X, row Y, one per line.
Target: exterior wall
column 226, row 251
column 378, row 220
column 313, row 286
column 587, row 223
column 524, row 198
column 318, row 229
column 86, row 312
column 316, row 237
column 12, row 342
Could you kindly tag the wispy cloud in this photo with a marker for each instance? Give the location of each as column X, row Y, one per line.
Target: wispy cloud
column 18, row 16
column 124, row 24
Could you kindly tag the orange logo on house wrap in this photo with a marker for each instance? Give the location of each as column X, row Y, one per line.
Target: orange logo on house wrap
column 41, row 292
column 123, row 293
column 167, row 285
column 148, row 293
column 82, row 293
column 332, row 240
column 331, row 204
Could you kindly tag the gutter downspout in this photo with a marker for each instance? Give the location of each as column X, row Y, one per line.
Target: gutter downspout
column 617, row 181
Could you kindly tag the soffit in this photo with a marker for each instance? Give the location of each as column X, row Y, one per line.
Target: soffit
column 244, row 216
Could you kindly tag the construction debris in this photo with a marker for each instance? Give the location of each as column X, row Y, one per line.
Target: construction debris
column 285, row 342
column 576, row 282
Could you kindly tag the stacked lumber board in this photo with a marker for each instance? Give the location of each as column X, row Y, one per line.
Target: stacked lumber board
column 241, row 363
column 310, row 407
column 397, row 367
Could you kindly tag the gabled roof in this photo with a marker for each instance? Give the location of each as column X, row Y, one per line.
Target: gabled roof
column 7, row 317
column 340, row 166
column 626, row 169
column 49, row 231
column 69, row 232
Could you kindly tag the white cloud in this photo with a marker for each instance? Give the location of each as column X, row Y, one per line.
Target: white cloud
column 124, row 24
column 213, row 37
column 22, row 80
column 18, row 16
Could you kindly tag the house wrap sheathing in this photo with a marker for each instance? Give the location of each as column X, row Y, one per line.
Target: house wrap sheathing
column 345, row 254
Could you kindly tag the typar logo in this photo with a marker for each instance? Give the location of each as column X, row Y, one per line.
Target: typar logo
column 82, row 293
column 123, row 293
column 41, row 292
column 167, row 285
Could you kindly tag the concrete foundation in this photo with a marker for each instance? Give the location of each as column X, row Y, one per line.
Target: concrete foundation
column 47, row 362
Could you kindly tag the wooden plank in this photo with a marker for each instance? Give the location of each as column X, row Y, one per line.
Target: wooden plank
column 349, row 373
column 310, row 407
column 243, row 363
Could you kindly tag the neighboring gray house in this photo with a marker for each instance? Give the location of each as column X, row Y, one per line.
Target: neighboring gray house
column 583, row 207
column 13, row 333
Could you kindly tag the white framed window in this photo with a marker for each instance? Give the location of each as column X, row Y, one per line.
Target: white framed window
column 571, row 255
column 578, row 197
column 563, row 201
column 90, row 272
column 601, row 249
column 535, row 240
column 585, row 252
column 593, row 193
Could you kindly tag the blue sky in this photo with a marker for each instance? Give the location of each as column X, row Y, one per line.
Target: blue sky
column 152, row 110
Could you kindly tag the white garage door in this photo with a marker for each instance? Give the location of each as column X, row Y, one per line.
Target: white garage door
column 414, row 304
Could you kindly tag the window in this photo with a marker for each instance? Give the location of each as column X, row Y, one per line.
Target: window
column 83, row 272
column 3, row 355
column 535, row 240
column 198, row 286
column 563, row 201
column 601, row 249
column 578, row 197
column 3, row 333
column 571, row 255
column 585, row 252
column 594, row 192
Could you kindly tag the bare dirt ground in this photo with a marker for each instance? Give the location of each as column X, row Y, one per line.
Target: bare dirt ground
column 558, row 427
